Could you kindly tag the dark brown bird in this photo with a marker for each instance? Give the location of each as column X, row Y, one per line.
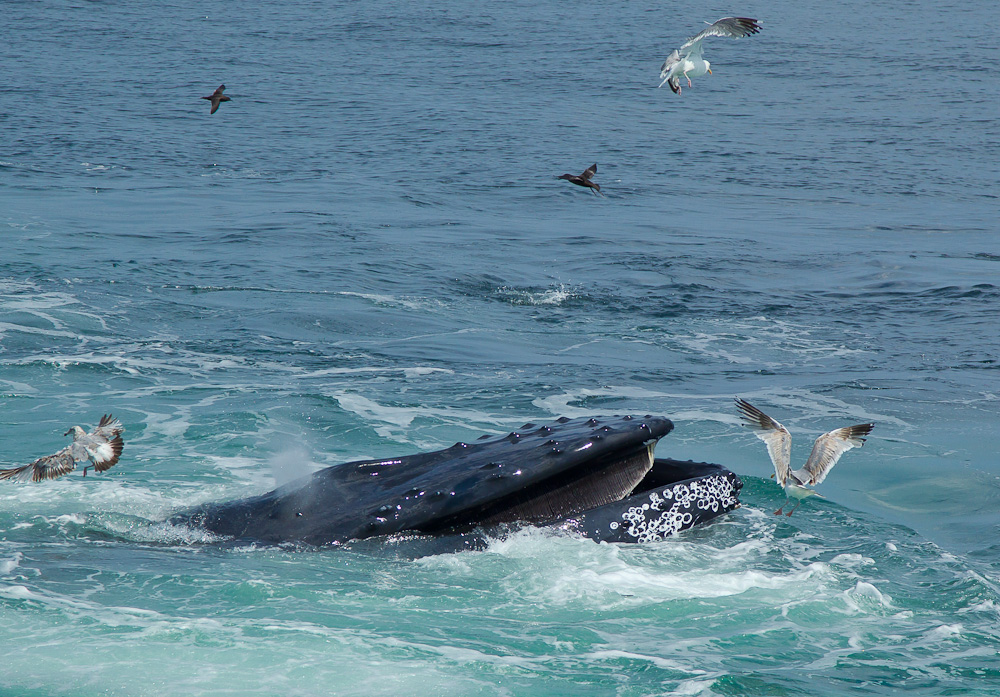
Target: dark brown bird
column 584, row 179
column 217, row 98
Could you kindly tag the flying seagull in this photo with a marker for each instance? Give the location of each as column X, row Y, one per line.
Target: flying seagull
column 217, row 98
column 102, row 446
column 825, row 453
column 687, row 62
column 584, row 179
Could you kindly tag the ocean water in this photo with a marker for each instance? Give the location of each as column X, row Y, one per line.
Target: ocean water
column 366, row 253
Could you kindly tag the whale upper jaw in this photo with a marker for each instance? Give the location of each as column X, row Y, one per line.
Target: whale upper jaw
column 535, row 474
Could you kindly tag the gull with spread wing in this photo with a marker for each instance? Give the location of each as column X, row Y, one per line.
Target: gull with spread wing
column 687, row 61
column 825, row 453
column 102, row 446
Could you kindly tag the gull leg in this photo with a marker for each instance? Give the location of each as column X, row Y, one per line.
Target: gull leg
column 789, row 514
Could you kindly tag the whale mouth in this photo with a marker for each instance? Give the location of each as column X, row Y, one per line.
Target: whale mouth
column 594, row 483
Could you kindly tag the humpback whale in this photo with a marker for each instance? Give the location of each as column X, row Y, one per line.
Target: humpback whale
column 595, row 476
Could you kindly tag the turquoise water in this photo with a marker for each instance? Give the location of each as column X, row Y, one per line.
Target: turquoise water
column 366, row 253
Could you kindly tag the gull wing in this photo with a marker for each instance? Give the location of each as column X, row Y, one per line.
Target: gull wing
column 589, row 172
column 828, row 449
column 106, row 455
column 108, row 428
column 104, row 444
column 673, row 59
column 775, row 436
column 48, row 467
column 734, row 27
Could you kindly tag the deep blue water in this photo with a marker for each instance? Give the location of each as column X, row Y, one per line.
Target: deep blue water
column 366, row 253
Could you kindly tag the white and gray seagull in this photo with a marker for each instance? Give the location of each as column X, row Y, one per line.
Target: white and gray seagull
column 687, row 62
column 102, row 446
column 825, row 453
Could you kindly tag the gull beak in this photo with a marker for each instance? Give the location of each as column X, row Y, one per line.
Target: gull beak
column 709, row 71
column 68, row 432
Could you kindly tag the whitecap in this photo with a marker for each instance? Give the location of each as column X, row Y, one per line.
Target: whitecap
column 658, row 661
column 865, row 596
column 17, row 592
column 393, row 301
column 549, row 296
column 560, row 570
column 395, row 423
column 8, row 565
column 943, row 632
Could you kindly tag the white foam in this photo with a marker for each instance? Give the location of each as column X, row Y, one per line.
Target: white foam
column 20, row 387
column 692, row 688
column 396, row 422
column 68, row 519
column 165, row 425
column 7, row 327
column 561, row 570
column 8, row 565
column 16, row 592
column 452, row 564
column 392, row 301
column 864, row 597
column 851, row 561
column 985, row 606
column 371, row 410
column 561, row 404
column 549, row 296
column 754, row 339
column 457, row 654
column 141, row 530
column 26, row 299
column 248, row 470
column 658, row 661
column 411, row 372
column 303, row 627
column 943, row 632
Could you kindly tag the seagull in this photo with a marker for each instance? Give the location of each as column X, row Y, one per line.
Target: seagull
column 217, row 98
column 825, row 453
column 102, row 446
column 584, row 179
column 687, row 62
